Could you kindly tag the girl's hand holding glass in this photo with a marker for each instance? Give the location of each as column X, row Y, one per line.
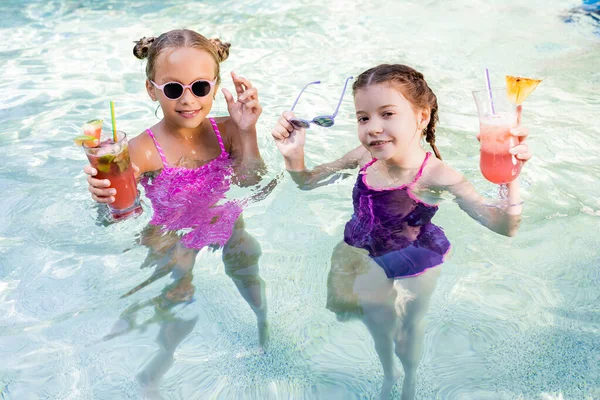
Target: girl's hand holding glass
column 521, row 150
column 99, row 188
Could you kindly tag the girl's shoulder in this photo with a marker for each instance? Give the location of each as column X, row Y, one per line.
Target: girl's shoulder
column 439, row 175
column 144, row 154
column 142, row 140
column 222, row 121
column 362, row 155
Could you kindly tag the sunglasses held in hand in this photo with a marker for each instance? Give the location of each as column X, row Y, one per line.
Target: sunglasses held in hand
column 324, row 121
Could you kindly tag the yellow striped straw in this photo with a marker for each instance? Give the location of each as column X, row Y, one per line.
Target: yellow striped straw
column 114, row 122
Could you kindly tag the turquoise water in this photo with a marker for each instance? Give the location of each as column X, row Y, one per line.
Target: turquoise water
column 512, row 318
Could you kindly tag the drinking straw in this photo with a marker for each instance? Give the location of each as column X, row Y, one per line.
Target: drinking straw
column 489, row 87
column 114, row 122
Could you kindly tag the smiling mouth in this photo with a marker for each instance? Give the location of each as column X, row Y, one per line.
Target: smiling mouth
column 188, row 113
column 379, row 142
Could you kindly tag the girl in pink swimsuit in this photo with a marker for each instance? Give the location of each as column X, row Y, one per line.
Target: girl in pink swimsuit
column 187, row 162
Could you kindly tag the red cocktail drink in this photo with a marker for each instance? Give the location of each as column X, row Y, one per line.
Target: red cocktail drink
column 112, row 162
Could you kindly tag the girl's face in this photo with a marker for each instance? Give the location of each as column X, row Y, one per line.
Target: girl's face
column 388, row 125
column 184, row 65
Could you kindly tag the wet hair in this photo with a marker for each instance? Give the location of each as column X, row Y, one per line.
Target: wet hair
column 151, row 47
column 412, row 85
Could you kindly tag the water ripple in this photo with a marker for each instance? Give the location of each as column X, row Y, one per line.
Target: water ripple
column 511, row 318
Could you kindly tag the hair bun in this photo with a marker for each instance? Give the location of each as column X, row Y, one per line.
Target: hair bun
column 222, row 48
column 142, row 46
column 416, row 76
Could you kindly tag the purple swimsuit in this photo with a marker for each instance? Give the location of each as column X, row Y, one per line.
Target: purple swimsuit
column 192, row 199
column 395, row 227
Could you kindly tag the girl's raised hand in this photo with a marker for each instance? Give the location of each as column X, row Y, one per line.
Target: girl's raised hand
column 246, row 110
column 289, row 139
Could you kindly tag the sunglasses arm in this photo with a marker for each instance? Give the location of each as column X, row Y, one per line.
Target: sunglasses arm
column 341, row 97
column 302, row 91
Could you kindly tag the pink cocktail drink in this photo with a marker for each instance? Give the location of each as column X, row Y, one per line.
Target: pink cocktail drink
column 496, row 163
column 497, row 116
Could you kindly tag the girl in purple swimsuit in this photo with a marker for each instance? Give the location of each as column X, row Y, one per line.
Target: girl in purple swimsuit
column 187, row 162
column 384, row 270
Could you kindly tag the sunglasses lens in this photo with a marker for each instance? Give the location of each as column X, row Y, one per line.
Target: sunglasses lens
column 325, row 122
column 298, row 123
column 173, row 90
column 201, row 88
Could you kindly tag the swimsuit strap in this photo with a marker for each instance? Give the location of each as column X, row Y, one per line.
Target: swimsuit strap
column 158, row 148
column 427, row 155
column 367, row 165
column 219, row 138
column 161, row 153
column 415, row 179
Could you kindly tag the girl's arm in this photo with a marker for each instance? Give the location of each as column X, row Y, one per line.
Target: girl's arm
column 324, row 174
column 502, row 220
column 505, row 219
column 248, row 165
column 290, row 143
column 244, row 113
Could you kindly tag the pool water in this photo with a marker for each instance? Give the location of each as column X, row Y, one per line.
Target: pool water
column 512, row 318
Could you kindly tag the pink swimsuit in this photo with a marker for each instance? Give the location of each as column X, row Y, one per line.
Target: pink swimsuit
column 193, row 199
